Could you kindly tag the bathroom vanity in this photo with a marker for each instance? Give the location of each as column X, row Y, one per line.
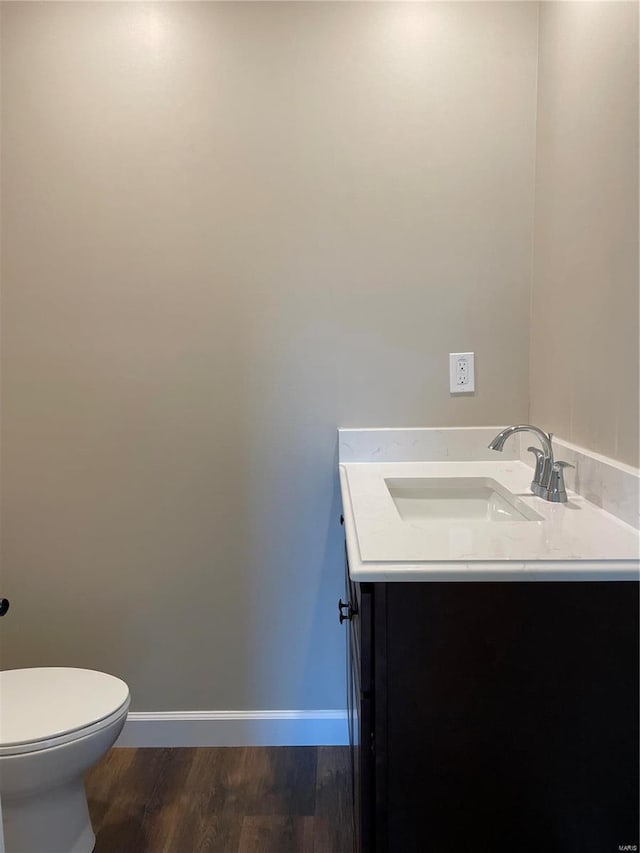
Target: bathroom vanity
column 493, row 689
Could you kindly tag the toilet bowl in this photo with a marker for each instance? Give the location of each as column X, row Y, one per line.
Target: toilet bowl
column 55, row 723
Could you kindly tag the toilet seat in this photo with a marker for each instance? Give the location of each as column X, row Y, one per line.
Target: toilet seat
column 77, row 734
column 45, row 707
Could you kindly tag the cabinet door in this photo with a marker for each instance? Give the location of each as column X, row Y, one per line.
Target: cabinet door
column 360, row 710
column 361, row 743
column 366, row 752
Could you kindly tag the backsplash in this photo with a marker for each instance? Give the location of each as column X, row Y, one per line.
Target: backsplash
column 605, row 482
column 422, row 444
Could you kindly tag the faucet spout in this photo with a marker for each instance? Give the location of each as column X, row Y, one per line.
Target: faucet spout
column 543, row 437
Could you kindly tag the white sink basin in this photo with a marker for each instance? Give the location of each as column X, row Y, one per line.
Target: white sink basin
column 456, row 498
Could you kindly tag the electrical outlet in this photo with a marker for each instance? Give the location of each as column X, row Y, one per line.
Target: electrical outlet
column 462, row 374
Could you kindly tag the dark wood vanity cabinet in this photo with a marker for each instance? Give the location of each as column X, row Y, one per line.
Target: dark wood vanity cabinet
column 494, row 716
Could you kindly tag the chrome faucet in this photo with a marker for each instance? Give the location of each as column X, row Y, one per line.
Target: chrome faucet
column 548, row 479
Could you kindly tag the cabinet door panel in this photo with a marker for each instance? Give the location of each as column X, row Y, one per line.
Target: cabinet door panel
column 511, row 717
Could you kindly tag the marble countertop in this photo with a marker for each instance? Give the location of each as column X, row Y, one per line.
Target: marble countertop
column 573, row 541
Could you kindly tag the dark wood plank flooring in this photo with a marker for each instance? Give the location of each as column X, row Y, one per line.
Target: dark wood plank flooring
column 227, row 800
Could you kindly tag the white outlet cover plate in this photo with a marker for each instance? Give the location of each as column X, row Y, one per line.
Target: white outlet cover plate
column 462, row 373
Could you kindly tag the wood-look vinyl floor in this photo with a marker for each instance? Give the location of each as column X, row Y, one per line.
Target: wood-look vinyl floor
column 226, row 800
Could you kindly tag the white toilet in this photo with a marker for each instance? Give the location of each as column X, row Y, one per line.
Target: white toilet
column 55, row 723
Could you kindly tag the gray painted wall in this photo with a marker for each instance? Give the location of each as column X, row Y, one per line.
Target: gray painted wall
column 227, row 230
column 584, row 324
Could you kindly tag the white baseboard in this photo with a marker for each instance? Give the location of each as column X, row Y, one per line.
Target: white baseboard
column 235, row 728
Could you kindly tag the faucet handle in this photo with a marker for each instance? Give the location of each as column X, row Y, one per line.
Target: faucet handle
column 557, row 490
column 539, row 463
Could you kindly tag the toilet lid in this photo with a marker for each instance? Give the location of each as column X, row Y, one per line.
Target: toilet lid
column 42, row 703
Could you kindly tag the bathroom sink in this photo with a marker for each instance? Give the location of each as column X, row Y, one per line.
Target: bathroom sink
column 456, row 498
